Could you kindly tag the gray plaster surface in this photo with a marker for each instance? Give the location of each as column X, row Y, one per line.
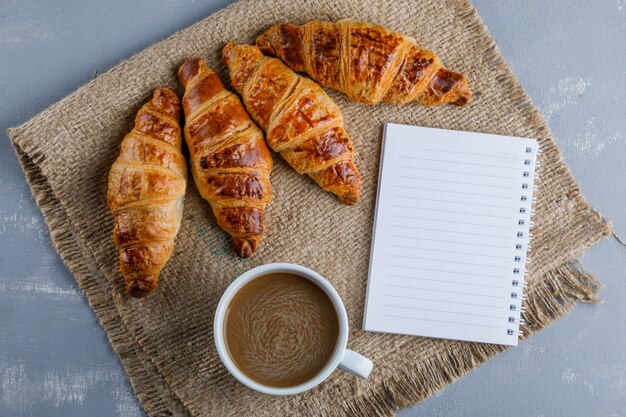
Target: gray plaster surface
column 570, row 56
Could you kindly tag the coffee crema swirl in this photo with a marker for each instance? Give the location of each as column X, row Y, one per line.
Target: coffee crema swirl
column 281, row 329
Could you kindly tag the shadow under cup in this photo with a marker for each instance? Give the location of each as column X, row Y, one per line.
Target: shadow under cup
column 281, row 329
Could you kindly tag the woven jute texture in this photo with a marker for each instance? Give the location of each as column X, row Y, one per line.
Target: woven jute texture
column 165, row 341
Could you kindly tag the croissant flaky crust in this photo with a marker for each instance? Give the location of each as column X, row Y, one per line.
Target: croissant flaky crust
column 146, row 190
column 230, row 161
column 301, row 121
column 367, row 62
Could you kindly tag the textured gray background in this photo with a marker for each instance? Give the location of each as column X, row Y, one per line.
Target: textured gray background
column 570, row 56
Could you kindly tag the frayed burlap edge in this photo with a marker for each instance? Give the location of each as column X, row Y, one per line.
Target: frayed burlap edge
column 556, row 296
column 148, row 384
column 555, row 293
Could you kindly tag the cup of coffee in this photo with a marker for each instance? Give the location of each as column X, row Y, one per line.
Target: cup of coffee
column 282, row 329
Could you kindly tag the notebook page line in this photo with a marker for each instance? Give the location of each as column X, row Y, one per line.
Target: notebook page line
column 451, row 211
column 496, row 306
column 449, row 251
column 443, row 241
column 508, row 197
column 443, row 311
column 448, row 231
column 455, row 182
column 438, row 270
column 455, row 172
column 453, row 202
column 441, row 321
column 406, row 287
column 430, row 219
column 456, row 282
column 457, row 162
column 448, row 151
column 416, row 258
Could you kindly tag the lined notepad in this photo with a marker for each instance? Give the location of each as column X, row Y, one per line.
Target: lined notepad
column 451, row 234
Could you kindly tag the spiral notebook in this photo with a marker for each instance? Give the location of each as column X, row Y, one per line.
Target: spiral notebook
column 451, row 234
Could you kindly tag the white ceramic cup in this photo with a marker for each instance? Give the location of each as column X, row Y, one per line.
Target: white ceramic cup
column 343, row 358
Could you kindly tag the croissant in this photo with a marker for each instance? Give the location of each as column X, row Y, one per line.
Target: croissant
column 146, row 190
column 365, row 61
column 301, row 122
column 229, row 159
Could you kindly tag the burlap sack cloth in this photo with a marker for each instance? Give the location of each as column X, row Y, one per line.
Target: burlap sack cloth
column 165, row 341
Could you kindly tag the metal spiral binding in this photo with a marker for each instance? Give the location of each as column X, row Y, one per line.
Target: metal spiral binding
column 519, row 283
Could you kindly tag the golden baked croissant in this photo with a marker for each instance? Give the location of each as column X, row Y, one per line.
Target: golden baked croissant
column 301, row 122
column 365, row 61
column 146, row 190
column 229, row 159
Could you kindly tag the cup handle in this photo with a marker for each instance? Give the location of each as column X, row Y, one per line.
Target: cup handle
column 356, row 364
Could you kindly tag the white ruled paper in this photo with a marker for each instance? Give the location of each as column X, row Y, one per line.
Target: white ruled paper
column 451, row 234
